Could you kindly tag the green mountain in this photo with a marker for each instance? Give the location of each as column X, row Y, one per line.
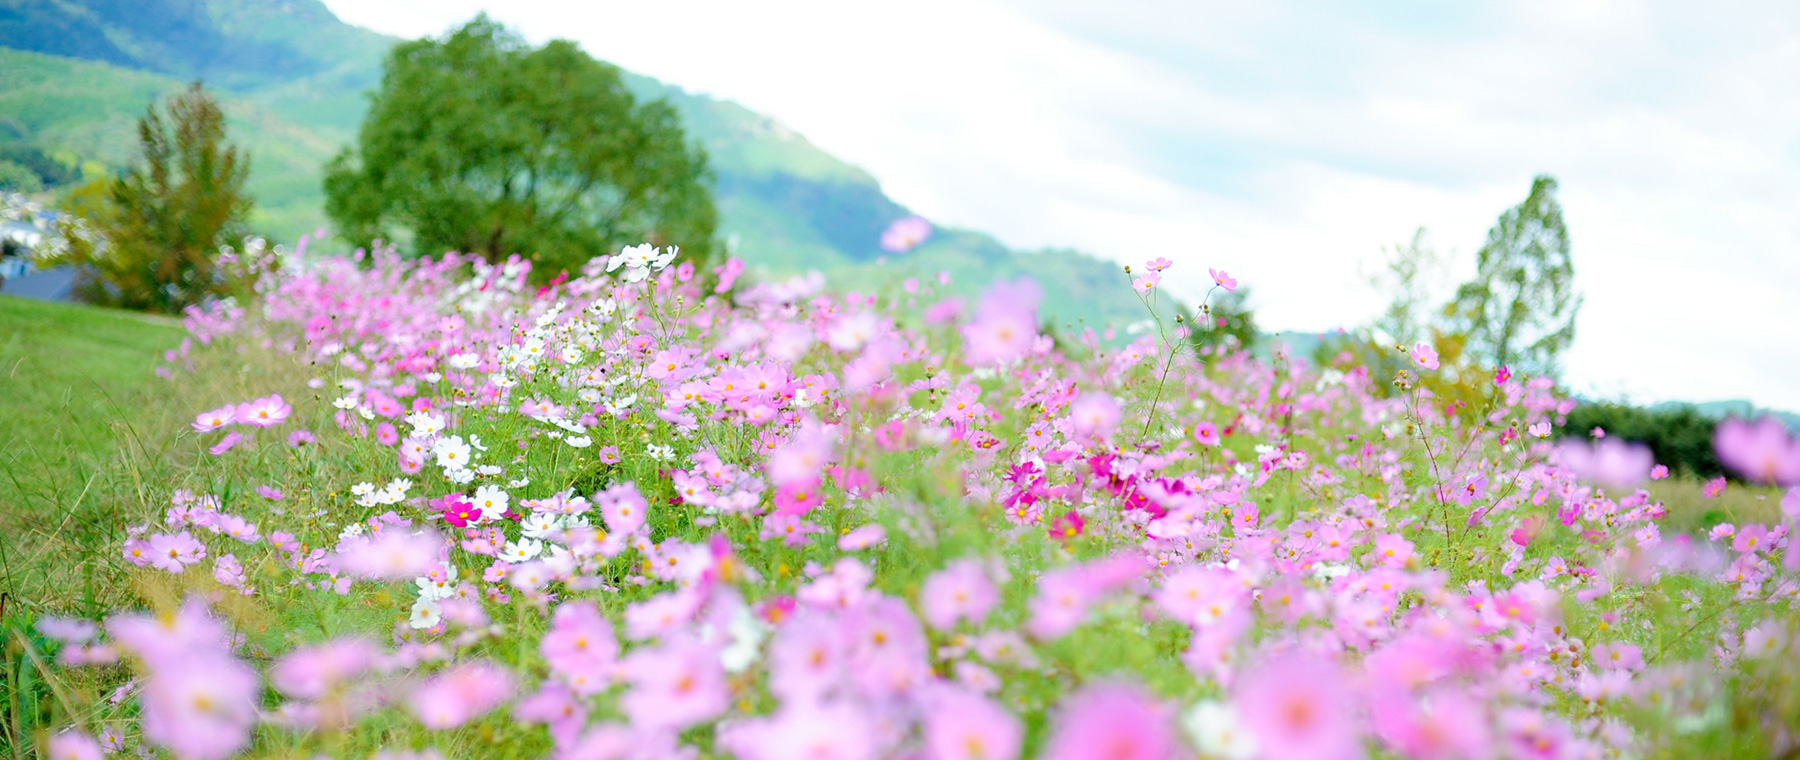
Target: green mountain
column 75, row 75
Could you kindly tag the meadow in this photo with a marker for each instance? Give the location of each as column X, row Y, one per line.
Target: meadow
column 392, row 508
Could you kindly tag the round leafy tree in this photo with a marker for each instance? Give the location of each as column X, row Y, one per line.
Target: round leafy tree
column 480, row 143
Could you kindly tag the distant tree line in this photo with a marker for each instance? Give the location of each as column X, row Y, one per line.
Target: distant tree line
column 1680, row 437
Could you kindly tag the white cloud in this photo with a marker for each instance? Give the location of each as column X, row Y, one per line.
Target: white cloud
column 1288, row 142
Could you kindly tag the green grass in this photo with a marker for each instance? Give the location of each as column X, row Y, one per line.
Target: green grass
column 77, row 395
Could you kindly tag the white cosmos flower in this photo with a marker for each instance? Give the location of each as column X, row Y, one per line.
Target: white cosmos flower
column 746, row 633
column 618, row 406
column 539, row 525
column 452, row 453
column 442, row 588
column 492, row 501
column 425, row 424
column 661, row 453
column 522, row 550
column 425, row 613
column 465, row 361
column 579, row 441
column 1218, row 732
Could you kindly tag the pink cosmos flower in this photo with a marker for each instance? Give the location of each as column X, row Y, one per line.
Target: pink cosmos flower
column 581, row 648
column 1222, row 279
column 1609, row 461
column 1158, row 264
column 1425, row 356
column 209, row 421
column 796, row 499
column 1116, row 721
column 1619, row 655
column 1094, row 414
column 1005, row 325
column 1446, row 726
column 270, row 493
column 555, row 706
column 74, row 744
column 1065, row 594
column 1659, row 472
column 391, row 555
column 67, row 630
column 1300, row 707
column 313, row 671
column 961, row 591
column 728, row 274
column 863, row 538
column 1146, row 283
column 962, row 725
column 1206, row 433
column 226, row 443
column 675, row 685
column 1763, row 451
column 300, row 438
column 267, row 411
column 830, row 730
column 905, row 234
column 466, row 691
column 1714, row 488
column 623, row 508
column 1502, row 375
column 175, row 552
column 201, row 707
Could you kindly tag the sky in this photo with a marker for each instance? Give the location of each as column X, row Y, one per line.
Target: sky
column 1291, row 143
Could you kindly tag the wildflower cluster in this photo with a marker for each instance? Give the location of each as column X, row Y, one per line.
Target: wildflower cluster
column 627, row 516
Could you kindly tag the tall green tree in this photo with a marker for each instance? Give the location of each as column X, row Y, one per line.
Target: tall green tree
column 480, row 143
column 160, row 226
column 1520, row 309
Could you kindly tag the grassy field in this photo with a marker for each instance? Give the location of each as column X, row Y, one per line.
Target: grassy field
column 79, row 408
column 85, row 424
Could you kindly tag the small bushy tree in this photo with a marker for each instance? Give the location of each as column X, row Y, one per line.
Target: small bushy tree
column 1520, row 309
column 480, row 143
column 160, row 225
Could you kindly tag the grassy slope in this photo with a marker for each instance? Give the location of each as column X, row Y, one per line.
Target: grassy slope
column 79, row 408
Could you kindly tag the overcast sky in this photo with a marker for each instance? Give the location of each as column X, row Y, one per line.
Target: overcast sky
column 1289, row 142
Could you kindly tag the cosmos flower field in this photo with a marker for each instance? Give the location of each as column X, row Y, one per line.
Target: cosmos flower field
column 649, row 512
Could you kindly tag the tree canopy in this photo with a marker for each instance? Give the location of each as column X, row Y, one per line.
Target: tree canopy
column 161, row 224
column 1519, row 311
column 480, row 143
